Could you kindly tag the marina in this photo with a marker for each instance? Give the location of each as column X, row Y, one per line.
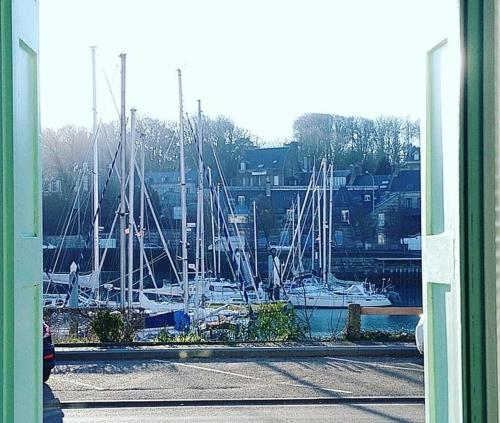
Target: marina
column 219, row 259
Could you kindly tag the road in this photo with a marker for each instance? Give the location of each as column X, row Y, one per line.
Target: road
column 258, row 414
column 325, row 377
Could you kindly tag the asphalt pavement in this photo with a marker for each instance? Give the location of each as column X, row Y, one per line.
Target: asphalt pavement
column 156, row 382
column 248, row 414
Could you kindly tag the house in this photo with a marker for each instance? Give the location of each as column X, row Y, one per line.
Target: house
column 167, row 186
column 276, row 166
column 412, row 159
column 371, row 189
column 398, row 215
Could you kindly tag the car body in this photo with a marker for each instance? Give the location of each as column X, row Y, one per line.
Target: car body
column 49, row 356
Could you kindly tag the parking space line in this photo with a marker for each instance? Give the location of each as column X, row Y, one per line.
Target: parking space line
column 216, row 371
column 413, row 369
column 250, row 377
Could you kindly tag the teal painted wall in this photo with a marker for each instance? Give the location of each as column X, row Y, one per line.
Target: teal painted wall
column 20, row 214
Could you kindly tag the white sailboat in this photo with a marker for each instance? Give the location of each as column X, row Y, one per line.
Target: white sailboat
column 325, row 291
column 313, row 296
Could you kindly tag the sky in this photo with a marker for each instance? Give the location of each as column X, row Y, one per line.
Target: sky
column 261, row 63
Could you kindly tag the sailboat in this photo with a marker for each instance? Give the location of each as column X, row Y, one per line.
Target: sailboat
column 307, row 290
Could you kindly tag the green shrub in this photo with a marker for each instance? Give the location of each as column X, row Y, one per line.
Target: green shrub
column 108, row 325
column 275, row 322
column 164, row 336
column 182, row 338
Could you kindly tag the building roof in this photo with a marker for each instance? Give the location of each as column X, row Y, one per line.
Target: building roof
column 266, row 158
column 406, row 180
column 412, row 154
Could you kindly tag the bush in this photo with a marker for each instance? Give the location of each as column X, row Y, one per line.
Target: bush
column 165, row 337
column 275, row 322
column 116, row 326
column 107, row 325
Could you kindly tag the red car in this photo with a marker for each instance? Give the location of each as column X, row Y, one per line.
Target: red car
column 49, row 356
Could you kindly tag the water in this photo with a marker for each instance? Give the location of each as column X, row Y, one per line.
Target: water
column 327, row 322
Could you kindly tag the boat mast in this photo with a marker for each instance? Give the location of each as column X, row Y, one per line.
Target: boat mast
column 141, row 224
column 123, row 136
column 185, row 281
column 292, row 243
column 131, row 231
column 200, row 224
column 325, row 221
column 95, row 184
column 299, row 233
column 330, row 224
column 318, row 210
column 212, row 222
column 201, row 188
column 219, row 245
column 255, row 237
column 313, row 216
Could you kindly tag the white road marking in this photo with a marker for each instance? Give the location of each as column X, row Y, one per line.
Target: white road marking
column 215, row 371
column 413, row 369
column 251, row 377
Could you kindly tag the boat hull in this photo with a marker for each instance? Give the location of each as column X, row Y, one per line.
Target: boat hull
column 308, row 301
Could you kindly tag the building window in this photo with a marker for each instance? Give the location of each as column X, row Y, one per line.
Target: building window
column 339, row 181
column 409, row 203
column 259, row 181
column 289, row 214
column 276, row 180
column 368, row 197
column 244, row 181
column 381, row 219
column 241, row 200
column 345, row 216
column 243, row 166
column 55, row 186
column 339, row 238
column 381, row 239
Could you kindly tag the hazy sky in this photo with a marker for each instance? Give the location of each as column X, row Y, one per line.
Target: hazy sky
column 260, row 62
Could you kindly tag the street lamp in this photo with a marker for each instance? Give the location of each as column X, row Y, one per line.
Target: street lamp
column 373, row 190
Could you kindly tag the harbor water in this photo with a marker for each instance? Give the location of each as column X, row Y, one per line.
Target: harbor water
column 325, row 323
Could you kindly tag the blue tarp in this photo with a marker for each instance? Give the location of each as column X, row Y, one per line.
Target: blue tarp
column 160, row 320
column 182, row 321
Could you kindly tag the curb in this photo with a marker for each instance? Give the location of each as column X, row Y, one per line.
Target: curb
column 235, row 352
column 232, row 402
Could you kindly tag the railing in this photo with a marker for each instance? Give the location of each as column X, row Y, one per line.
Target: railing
column 355, row 311
column 391, row 311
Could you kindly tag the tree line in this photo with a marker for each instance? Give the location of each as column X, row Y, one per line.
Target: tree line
column 377, row 144
column 345, row 140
